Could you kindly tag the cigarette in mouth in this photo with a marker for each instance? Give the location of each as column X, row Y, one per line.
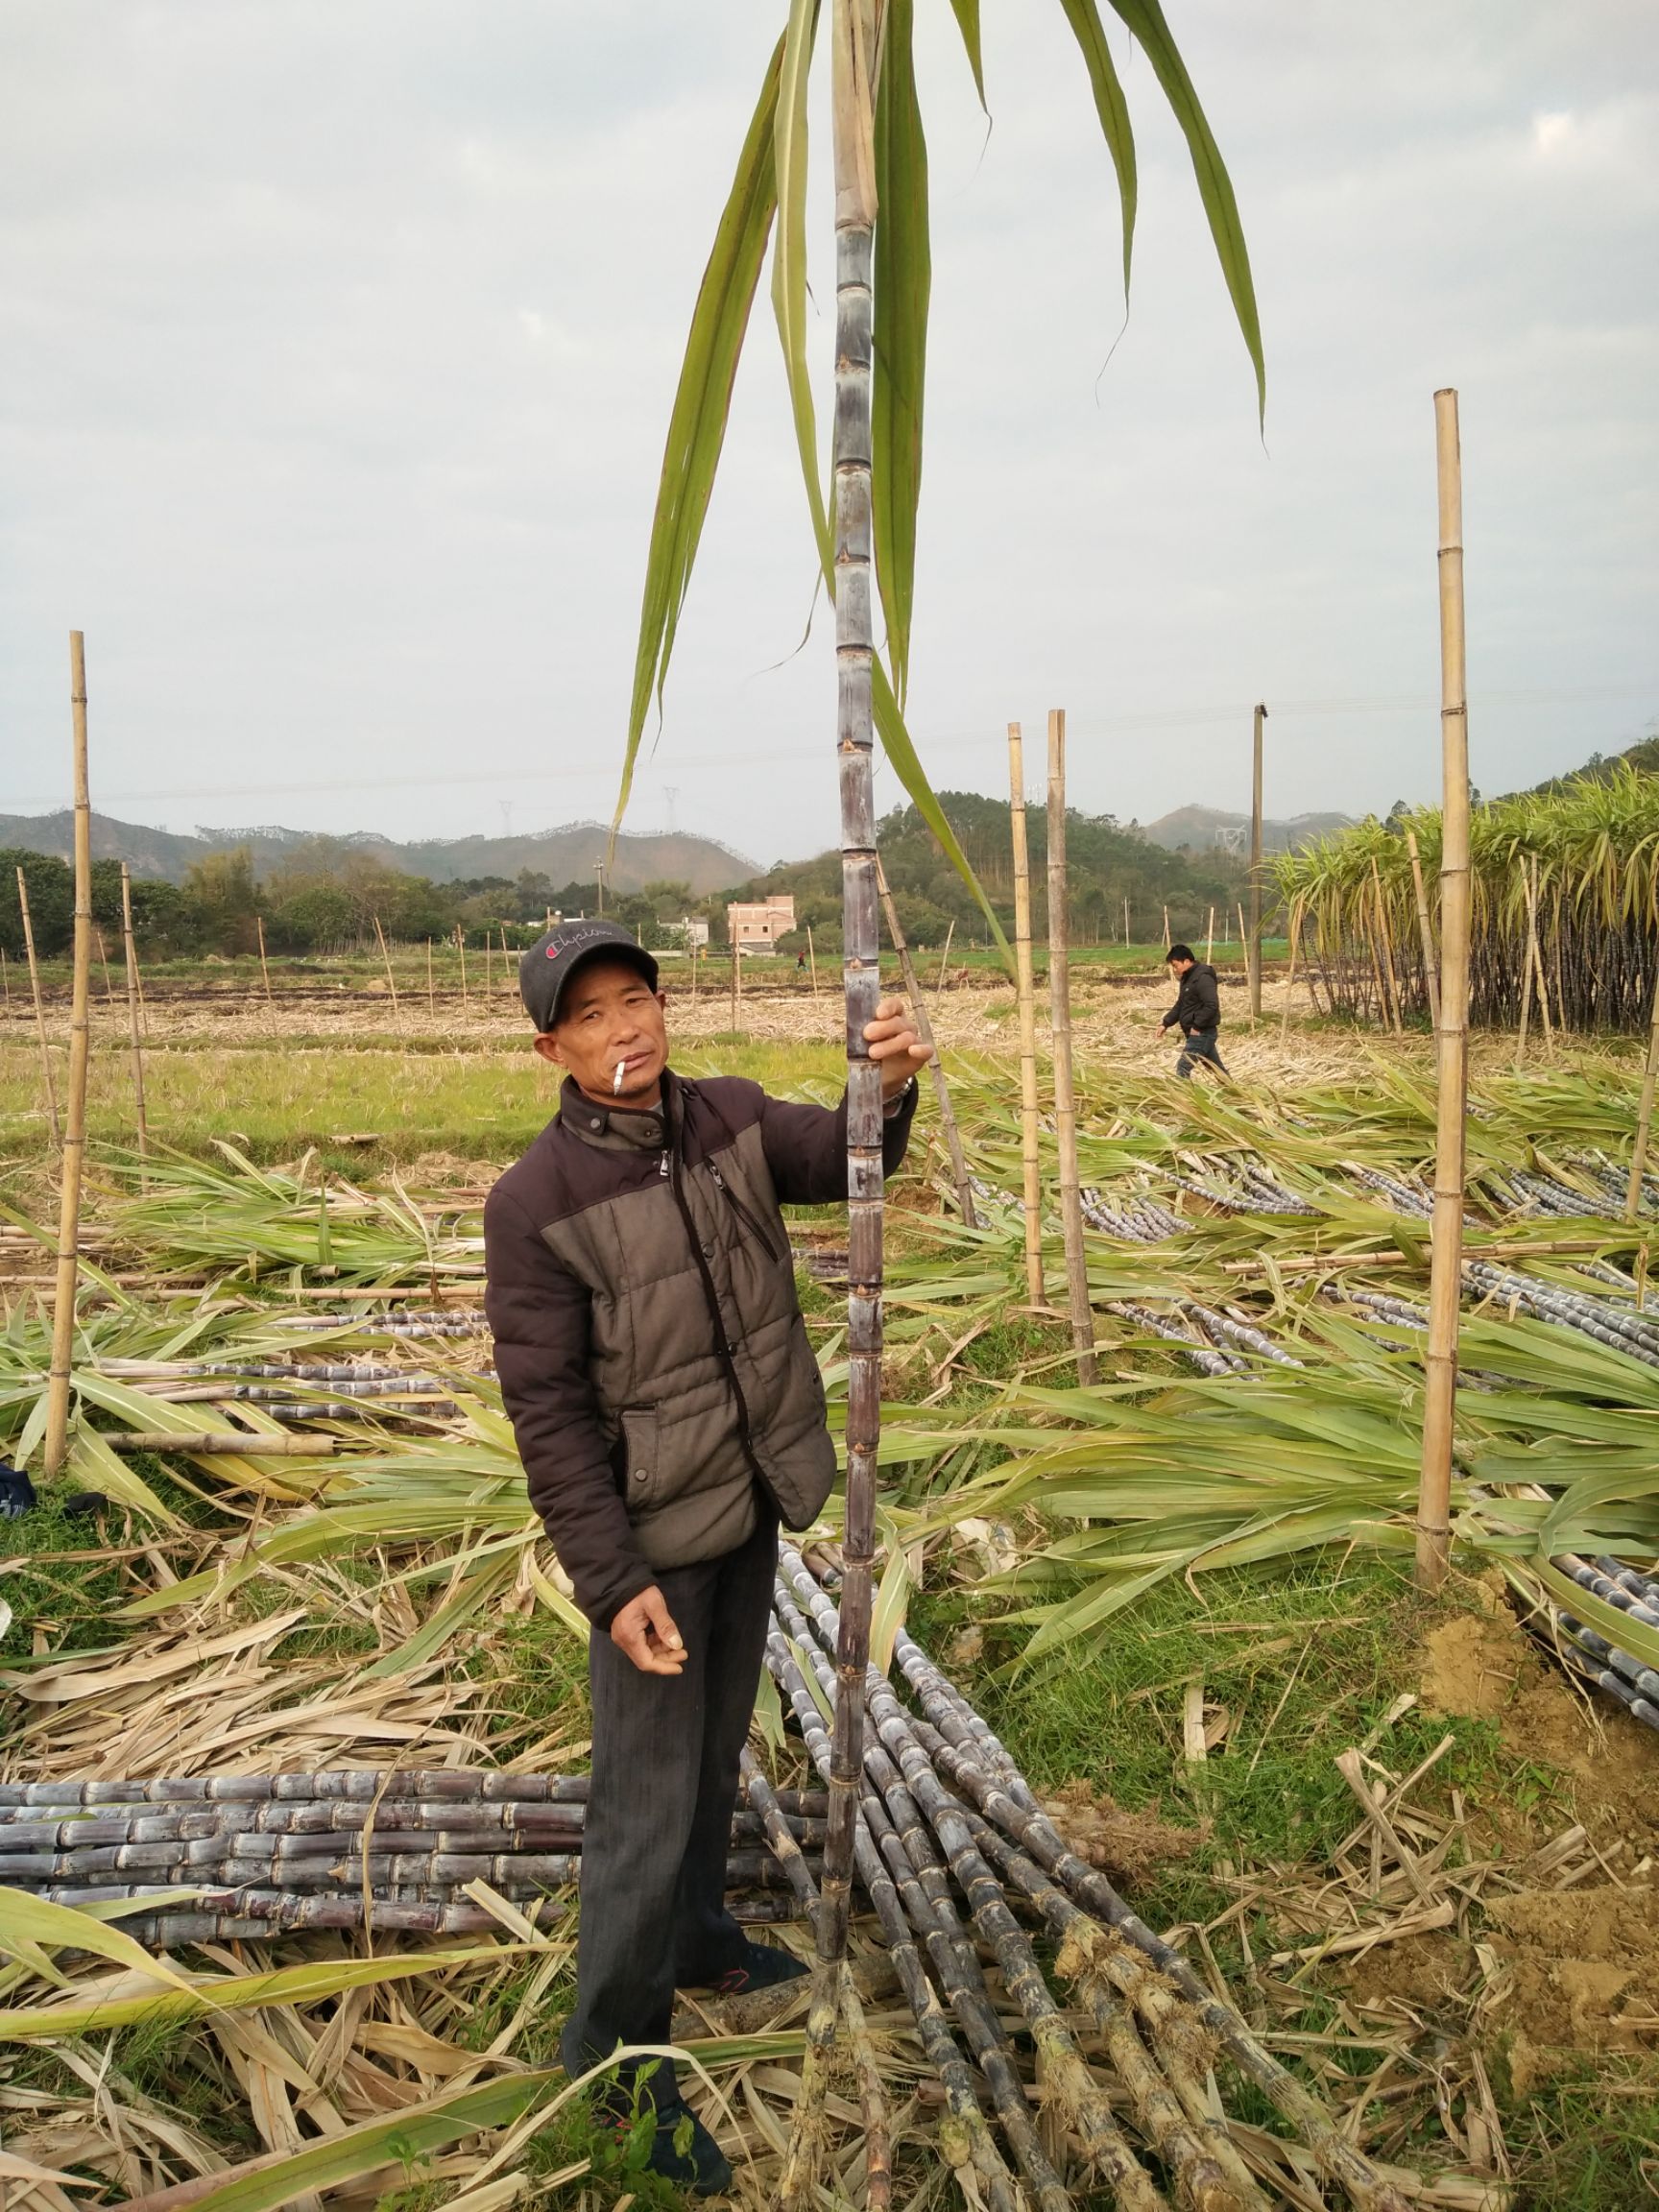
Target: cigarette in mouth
column 616, row 1084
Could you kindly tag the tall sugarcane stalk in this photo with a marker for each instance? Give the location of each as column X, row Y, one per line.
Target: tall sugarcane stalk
column 1452, row 1056
column 1424, row 932
column 1253, row 948
column 131, row 950
column 854, row 49
column 57, row 1440
column 1025, row 992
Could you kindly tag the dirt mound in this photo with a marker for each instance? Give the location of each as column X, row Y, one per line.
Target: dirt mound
column 1126, row 1846
column 1576, row 1973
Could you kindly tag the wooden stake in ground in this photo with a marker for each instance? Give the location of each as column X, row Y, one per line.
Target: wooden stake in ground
column 39, row 1010
column 1643, row 1111
column 1126, row 923
column 1452, row 1055
column 811, row 960
column 945, row 956
column 1253, row 943
column 1537, row 953
column 506, row 961
column 1431, row 965
column 461, row 948
column 104, row 963
column 935, row 1067
column 1209, row 939
column 1065, row 1098
column 390, row 979
column 1528, row 964
column 431, row 994
column 736, row 984
column 131, row 949
column 259, row 926
column 1025, row 992
column 1166, row 928
column 1386, row 942
column 1290, row 978
column 57, row 1443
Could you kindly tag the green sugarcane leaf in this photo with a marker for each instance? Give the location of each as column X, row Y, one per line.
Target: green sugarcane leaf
column 701, row 401
column 1112, row 108
column 896, row 743
column 28, row 1923
column 903, row 281
column 789, row 140
column 1144, row 18
column 967, row 13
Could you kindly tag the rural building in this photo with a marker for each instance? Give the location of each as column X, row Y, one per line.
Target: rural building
column 756, row 925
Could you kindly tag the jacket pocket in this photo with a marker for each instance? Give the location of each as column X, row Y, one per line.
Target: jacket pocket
column 767, row 1243
column 642, row 1446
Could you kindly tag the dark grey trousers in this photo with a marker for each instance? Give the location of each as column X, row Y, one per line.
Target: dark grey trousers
column 658, row 1825
column 1199, row 1045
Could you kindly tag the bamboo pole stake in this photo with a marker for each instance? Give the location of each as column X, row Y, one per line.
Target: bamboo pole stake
column 1243, row 934
column 431, row 994
column 1644, row 1112
column 1252, row 947
column 1387, row 944
column 1431, row 965
column 811, row 960
column 1065, row 1096
column 6, row 978
column 461, row 948
column 1167, row 937
column 39, row 1010
column 259, row 926
column 945, row 956
column 1025, row 992
column 1210, row 940
column 1527, row 966
column 935, row 1067
column 1445, row 1247
column 390, row 979
column 506, row 961
column 104, row 961
column 489, row 959
column 737, row 985
column 129, row 947
column 57, row 1443
column 1537, row 954
column 1125, row 925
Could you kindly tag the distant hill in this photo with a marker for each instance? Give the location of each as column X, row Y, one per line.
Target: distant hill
column 1204, row 828
column 566, row 854
column 1642, row 757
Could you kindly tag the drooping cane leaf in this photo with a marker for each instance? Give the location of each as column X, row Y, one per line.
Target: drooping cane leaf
column 904, row 280
column 789, row 255
column 967, row 13
column 702, row 401
column 1145, row 20
column 1112, row 108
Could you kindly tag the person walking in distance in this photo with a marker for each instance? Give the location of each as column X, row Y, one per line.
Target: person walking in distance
column 669, row 1414
column 1196, row 1012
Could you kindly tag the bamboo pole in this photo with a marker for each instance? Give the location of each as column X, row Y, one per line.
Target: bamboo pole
column 1166, row 937
column 1209, row 939
column 1290, row 978
column 811, row 960
column 390, row 979
column 259, row 926
column 1125, row 925
column 506, row 960
column 737, row 985
column 1253, row 947
column 1446, row 1248
column 1386, row 942
column 1431, row 965
column 1065, row 1096
column 104, row 962
column 57, row 1443
column 461, row 948
column 431, row 994
column 1644, row 1112
column 945, row 956
column 1537, row 954
column 129, row 947
column 1526, row 967
column 489, row 959
column 1026, row 991
column 39, row 1010
column 935, row 1065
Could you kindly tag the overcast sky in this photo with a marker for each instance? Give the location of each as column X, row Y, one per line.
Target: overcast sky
column 338, row 337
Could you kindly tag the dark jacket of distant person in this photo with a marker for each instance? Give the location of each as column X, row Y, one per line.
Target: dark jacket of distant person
column 1197, row 1010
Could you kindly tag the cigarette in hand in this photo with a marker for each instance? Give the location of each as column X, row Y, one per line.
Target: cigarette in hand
column 617, row 1085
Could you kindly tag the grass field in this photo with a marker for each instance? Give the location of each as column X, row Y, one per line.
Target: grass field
column 1500, row 2044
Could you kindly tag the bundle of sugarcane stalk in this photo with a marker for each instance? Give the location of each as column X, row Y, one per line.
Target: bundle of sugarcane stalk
column 345, row 1848
column 960, row 1861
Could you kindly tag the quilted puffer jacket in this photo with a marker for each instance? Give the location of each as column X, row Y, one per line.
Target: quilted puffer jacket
column 648, row 1337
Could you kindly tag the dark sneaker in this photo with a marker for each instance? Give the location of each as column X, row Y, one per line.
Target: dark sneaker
column 761, row 1967
column 681, row 2148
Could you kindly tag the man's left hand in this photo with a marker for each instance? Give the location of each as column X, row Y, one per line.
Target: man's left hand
column 895, row 1046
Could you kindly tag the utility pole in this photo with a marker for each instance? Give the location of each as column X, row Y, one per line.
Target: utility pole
column 1252, row 951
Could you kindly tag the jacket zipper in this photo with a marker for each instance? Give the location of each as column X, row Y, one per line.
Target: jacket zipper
column 722, row 1344
column 743, row 1213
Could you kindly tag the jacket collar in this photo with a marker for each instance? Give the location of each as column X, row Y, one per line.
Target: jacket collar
column 617, row 1128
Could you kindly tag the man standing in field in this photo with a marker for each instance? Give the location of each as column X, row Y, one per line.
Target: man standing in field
column 1196, row 1012
column 669, row 1414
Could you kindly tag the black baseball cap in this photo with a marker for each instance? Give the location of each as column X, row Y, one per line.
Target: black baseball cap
column 557, row 952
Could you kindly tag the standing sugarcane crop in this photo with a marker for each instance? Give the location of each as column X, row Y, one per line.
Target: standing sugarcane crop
column 670, row 1414
column 865, row 537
